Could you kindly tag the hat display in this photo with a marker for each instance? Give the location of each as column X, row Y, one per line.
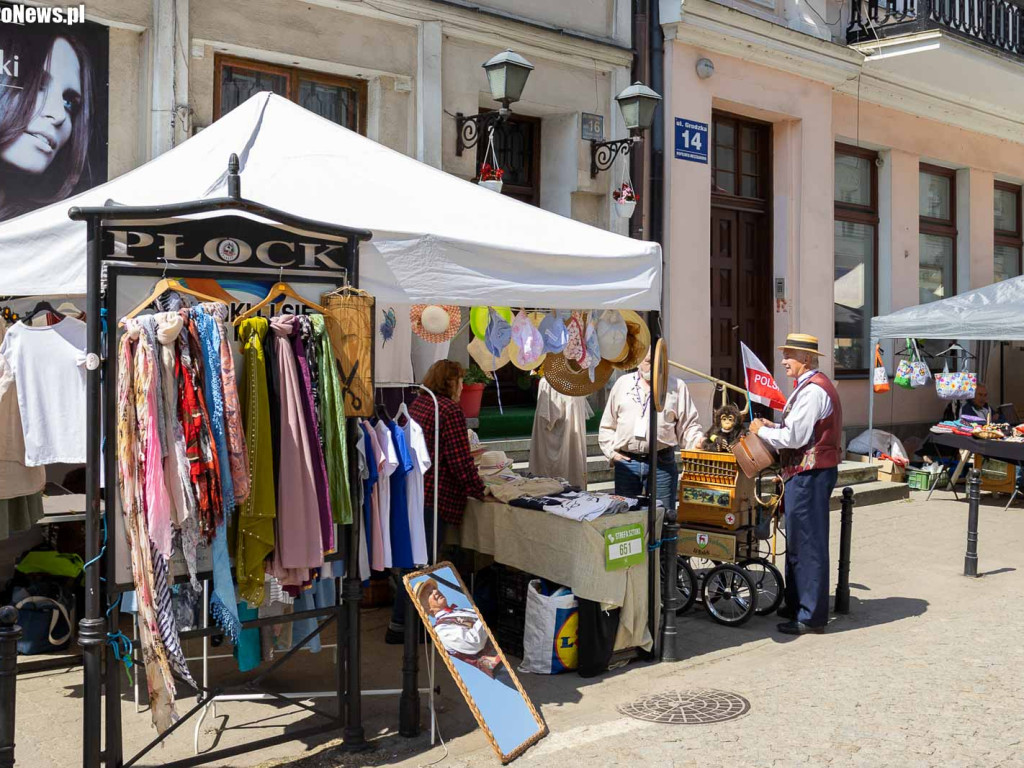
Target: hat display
column 570, row 378
column 499, row 333
column 492, row 462
column 804, row 342
column 527, row 349
column 638, row 341
column 480, row 318
column 574, row 347
column 554, row 332
column 593, row 347
column 482, row 356
column 611, row 335
column 435, row 323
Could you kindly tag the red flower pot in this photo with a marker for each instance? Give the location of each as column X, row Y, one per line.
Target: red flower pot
column 472, row 395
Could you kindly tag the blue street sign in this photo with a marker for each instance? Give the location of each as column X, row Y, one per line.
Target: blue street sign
column 691, row 140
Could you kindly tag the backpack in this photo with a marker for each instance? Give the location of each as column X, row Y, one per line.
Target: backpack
column 46, row 615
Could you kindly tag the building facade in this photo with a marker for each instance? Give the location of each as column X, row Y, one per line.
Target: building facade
column 840, row 182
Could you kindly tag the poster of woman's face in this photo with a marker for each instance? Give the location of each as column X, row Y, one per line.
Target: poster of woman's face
column 480, row 669
column 53, row 113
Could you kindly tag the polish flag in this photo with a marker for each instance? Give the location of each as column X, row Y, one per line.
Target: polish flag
column 760, row 384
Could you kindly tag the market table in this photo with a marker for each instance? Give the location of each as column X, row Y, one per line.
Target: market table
column 566, row 552
column 1012, row 453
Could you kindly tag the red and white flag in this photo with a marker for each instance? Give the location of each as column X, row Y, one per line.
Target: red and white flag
column 761, row 384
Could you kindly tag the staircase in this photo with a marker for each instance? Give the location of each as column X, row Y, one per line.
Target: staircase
column 867, row 488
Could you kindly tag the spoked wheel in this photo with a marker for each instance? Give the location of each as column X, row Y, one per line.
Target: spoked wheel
column 686, row 583
column 729, row 595
column 767, row 581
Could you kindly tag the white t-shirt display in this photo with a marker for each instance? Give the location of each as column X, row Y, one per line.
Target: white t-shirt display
column 387, row 447
column 421, row 550
column 392, row 331
column 49, row 368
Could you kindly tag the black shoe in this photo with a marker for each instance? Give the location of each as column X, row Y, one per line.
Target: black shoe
column 394, row 636
column 799, row 628
column 785, row 612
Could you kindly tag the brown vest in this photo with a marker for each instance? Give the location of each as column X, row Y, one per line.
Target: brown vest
column 823, row 452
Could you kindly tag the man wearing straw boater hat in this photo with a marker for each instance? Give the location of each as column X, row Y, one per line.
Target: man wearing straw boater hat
column 808, row 442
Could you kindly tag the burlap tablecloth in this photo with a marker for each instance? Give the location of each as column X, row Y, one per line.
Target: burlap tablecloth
column 567, row 552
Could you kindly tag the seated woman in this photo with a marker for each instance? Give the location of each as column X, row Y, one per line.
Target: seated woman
column 458, row 474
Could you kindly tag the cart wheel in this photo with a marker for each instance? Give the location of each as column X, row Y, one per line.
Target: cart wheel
column 768, row 581
column 729, row 595
column 686, row 583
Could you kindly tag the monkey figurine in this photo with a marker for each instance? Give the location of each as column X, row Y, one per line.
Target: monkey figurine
column 728, row 428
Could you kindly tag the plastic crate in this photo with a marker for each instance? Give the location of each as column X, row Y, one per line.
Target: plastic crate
column 920, row 480
column 512, row 585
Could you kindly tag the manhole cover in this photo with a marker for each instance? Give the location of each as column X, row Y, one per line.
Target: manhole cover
column 688, row 707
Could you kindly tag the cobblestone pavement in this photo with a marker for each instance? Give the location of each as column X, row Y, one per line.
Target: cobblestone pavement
column 925, row 671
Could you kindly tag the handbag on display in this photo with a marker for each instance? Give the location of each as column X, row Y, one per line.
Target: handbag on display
column 958, row 385
column 919, row 371
column 881, row 380
column 752, row 454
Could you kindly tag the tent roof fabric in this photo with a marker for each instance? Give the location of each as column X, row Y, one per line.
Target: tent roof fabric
column 437, row 238
column 994, row 312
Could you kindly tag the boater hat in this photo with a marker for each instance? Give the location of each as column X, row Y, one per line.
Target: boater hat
column 422, row 591
column 804, row 342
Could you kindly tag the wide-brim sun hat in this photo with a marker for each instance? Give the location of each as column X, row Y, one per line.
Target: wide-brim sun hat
column 479, row 317
column 570, row 378
column 803, row 342
column 516, row 352
column 483, row 357
column 638, row 341
column 435, row 323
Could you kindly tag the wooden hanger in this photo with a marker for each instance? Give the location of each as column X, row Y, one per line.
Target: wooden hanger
column 163, row 286
column 278, row 289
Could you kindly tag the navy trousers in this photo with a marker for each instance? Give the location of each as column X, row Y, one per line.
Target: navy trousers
column 807, row 573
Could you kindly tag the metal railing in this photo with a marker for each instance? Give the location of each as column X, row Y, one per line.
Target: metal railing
column 997, row 24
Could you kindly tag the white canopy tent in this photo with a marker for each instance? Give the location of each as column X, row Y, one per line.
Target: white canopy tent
column 437, row 238
column 991, row 313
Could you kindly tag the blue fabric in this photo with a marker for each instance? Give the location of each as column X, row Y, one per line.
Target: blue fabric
column 401, row 533
column 223, row 602
column 631, row 480
column 368, row 483
column 320, row 595
column 807, row 517
column 248, row 652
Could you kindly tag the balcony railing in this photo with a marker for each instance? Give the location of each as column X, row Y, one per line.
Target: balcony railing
column 997, row 24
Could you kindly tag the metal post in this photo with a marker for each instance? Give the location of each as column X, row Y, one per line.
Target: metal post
column 92, row 627
column 10, row 632
column 113, row 743
column 409, row 701
column 973, row 497
column 845, row 537
column 355, row 738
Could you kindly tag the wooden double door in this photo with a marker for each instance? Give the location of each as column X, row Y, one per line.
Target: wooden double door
column 741, row 253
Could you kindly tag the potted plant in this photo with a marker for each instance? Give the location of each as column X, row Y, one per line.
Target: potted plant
column 473, row 384
column 490, row 177
column 625, row 200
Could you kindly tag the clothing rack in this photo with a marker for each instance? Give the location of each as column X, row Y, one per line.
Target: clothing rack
column 98, row 622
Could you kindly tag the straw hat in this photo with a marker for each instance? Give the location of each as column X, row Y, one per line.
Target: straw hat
column 492, row 463
column 572, row 379
column 638, row 341
column 422, row 590
column 516, row 353
column 483, row 357
column 804, row 342
column 435, row 323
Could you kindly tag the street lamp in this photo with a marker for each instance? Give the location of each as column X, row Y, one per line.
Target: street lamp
column 637, row 104
column 507, row 73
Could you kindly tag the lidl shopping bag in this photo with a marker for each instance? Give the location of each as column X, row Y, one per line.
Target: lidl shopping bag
column 551, row 634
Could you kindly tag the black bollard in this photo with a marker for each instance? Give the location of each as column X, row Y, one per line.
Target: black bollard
column 409, row 701
column 670, row 589
column 10, row 632
column 973, row 498
column 845, row 537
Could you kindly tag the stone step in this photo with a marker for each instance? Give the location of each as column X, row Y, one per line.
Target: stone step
column 855, row 473
column 868, row 494
column 598, row 470
column 519, row 450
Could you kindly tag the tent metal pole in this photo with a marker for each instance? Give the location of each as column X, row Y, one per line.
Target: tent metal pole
column 871, row 404
column 92, row 627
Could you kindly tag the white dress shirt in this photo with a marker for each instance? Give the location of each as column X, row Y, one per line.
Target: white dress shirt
column 808, row 405
column 627, row 415
column 468, row 637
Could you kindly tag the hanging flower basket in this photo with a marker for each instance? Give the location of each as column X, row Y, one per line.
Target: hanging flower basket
column 625, row 200
column 490, row 177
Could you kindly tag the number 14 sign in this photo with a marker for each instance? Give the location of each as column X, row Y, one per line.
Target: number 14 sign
column 691, row 140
